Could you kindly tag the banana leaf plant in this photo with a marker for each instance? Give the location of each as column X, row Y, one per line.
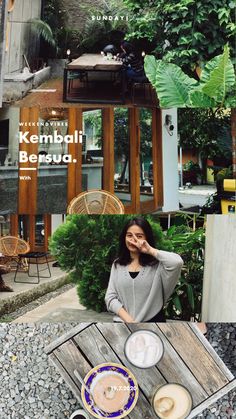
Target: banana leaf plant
column 216, row 87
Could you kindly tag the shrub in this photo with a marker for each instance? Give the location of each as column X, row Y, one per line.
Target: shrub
column 185, row 302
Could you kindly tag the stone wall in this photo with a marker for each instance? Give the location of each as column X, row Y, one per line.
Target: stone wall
column 20, row 39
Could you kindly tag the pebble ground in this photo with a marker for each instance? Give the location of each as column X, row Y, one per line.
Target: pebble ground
column 30, row 386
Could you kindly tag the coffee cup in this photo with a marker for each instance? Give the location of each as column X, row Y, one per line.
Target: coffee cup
column 79, row 414
column 172, row 401
column 144, row 349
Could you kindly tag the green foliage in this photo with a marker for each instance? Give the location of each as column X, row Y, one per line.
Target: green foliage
column 194, row 167
column 185, row 32
column 55, row 15
column 98, row 33
column 174, row 88
column 225, row 173
column 207, row 131
column 185, row 303
column 86, row 246
column 43, row 30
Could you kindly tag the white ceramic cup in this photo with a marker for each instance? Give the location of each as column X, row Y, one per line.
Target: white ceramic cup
column 78, row 413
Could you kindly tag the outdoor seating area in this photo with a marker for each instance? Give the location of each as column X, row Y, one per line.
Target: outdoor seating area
column 96, row 78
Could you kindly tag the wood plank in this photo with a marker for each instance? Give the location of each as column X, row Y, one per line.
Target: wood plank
column 116, row 337
column 172, row 366
column 66, row 377
column 211, row 350
column 198, row 360
column 27, row 196
column 78, row 154
column 47, row 218
column 71, row 169
column 216, row 396
column 65, row 337
column 94, row 62
column 71, row 358
column 14, row 225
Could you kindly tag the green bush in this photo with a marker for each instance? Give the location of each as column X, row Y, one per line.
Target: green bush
column 86, row 246
column 185, row 302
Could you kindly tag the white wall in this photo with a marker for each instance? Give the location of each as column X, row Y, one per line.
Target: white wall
column 219, row 287
column 170, row 163
column 57, row 220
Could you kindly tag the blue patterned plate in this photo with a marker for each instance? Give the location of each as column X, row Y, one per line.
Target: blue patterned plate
column 130, row 386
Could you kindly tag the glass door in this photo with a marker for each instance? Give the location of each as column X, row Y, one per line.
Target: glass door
column 92, row 150
column 122, row 181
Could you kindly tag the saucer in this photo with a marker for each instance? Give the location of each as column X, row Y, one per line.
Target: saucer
column 114, row 390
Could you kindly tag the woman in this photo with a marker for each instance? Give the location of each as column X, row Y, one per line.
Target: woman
column 142, row 277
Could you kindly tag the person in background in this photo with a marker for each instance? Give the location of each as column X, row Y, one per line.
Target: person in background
column 132, row 61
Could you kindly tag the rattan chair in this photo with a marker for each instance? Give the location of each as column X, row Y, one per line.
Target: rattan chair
column 95, row 202
column 18, row 250
column 11, row 246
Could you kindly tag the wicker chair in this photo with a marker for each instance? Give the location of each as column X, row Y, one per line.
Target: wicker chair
column 11, row 246
column 95, row 202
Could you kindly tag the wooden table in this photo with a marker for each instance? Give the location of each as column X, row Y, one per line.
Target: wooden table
column 91, row 63
column 95, row 62
column 188, row 359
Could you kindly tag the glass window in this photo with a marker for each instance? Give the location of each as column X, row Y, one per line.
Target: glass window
column 52, row 177
column 146, row 163
column 9, row 154
column 92, row 152
column 5, row 225
column 122, row 154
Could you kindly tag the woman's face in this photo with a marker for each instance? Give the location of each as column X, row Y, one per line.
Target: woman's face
column 134, row 232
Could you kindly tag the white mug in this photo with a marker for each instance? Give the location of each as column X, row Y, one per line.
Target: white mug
column 78, row 413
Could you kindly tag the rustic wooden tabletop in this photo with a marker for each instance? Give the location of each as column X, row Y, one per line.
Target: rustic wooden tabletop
column 188, row 359
column 94, row 62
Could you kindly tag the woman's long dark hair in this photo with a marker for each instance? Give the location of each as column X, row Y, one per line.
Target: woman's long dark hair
column 123, row 252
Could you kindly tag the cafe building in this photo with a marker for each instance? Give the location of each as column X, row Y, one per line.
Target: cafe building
column 128, row 151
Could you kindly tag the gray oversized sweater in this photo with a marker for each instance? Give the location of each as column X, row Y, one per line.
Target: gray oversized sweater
column 142, row 297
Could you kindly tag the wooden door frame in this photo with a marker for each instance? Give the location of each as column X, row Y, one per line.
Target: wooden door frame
column 74, row 169
column 157, row 201
column 27, row 188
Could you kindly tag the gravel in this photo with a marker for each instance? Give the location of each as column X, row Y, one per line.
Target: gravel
column 30, row 386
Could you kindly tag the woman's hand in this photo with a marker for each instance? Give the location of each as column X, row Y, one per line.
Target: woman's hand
column 143, row 246
column 125, row 316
